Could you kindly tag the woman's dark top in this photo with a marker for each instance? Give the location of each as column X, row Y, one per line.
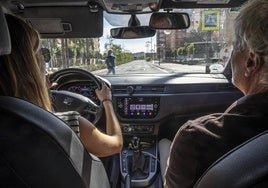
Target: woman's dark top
column 201, row 142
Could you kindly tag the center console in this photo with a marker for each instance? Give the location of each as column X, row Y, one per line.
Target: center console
column 139, row 162
column 139, row 156
column 137, row 107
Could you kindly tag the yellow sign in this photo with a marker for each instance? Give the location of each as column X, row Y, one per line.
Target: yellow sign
column 210, row 20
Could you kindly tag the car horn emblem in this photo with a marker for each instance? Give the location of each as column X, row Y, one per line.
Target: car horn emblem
column 68, row 101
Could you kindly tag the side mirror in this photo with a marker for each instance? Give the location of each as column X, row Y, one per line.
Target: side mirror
column 169, row 20
column 132, row 32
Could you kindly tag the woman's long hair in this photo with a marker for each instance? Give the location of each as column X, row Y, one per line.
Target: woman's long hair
column 22, row 73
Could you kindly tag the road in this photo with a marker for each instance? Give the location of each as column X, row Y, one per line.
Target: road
column 144, row 67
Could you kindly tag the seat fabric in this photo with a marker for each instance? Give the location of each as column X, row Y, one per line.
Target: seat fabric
column 37, row 149
column 244, row 166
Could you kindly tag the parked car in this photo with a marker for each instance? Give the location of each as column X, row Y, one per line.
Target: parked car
column 216, row 67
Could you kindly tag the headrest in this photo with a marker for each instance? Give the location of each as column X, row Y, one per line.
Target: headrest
column 5, row 43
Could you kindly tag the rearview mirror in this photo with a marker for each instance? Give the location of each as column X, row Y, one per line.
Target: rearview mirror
column 169, row 20
column 132, row 32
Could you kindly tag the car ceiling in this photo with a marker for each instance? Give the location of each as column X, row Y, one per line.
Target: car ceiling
column 77, row 19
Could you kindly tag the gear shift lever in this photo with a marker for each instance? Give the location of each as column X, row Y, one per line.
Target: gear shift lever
column 140, row 163
column 135, row 144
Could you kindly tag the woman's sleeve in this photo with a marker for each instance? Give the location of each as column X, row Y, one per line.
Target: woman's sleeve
column 71, row 118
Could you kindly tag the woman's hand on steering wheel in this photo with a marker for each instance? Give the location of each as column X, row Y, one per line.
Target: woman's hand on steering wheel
column 50, row 85
column 104, row 93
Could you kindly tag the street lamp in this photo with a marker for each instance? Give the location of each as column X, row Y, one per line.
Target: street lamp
column 166, row 32
column 158, row 47
column 152, row 52
column 161, row 43
column 149, row 44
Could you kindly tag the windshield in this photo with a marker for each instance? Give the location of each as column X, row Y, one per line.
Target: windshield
column 205, row 47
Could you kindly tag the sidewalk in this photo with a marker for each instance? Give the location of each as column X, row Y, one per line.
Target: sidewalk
column 179, row 68
column 169, row 67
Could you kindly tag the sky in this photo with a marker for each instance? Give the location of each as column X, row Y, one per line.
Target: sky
column 132, row 45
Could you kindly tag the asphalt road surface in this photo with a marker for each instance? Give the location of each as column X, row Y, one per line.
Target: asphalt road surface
column 145, row 67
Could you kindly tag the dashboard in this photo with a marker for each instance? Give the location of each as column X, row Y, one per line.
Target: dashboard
column 159, row 104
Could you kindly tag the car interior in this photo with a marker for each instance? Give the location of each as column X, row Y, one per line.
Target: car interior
column 40, row 150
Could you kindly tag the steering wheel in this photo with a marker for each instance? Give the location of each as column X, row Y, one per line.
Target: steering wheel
column 63, row 100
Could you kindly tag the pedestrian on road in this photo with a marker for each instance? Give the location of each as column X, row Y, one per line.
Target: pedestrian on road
column 110, row 62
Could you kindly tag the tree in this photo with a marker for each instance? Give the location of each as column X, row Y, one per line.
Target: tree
column 121, row 55
column 181, row 51
column 197, row 37
column 108, row 45
column 190, row 50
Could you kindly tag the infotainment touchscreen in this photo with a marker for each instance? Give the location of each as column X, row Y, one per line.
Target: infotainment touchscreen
column 137, row 107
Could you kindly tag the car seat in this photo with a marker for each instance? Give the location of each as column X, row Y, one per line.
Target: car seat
column 5, row 43
column 243, row 167
column 37, row 149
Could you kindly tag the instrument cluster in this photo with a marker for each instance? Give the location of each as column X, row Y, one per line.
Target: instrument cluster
column 86, row 89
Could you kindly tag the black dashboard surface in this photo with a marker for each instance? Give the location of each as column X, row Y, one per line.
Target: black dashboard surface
column 179, row 94
column 159, row 104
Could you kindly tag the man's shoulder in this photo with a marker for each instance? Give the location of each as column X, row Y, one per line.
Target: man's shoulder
column 203, row 121
column 203, row 126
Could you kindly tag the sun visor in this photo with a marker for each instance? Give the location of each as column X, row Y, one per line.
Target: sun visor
column 65, row 22
column 48, row 25
column 5, row 43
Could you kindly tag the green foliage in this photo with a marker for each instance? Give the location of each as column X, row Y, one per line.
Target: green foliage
column 187, row 49
column 93, row 67
column 190, row 49
column 182, row 51
column 196, row 36
column 121, row 55
column 72, row 50
column 80, row 52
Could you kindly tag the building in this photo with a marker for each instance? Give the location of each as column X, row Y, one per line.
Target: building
column 167, row 43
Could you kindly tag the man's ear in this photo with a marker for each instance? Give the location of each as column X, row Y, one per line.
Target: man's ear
column 250, row 63
column 254, row 64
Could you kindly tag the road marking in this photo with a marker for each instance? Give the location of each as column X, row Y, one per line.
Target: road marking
column 161, row 69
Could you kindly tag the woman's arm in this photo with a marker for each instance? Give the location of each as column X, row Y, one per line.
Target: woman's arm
column 95, row 141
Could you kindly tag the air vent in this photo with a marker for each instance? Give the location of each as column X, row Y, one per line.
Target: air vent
column 138, row 89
